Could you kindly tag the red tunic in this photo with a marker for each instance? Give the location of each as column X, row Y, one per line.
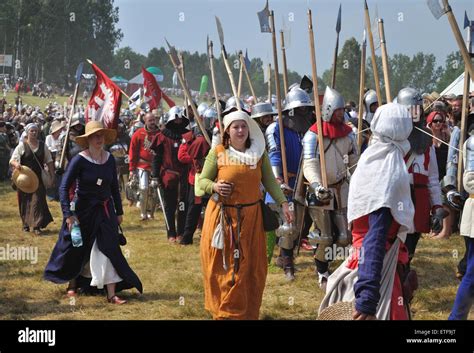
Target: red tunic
column 359, row 230
column 171, row 168
column 140, row 155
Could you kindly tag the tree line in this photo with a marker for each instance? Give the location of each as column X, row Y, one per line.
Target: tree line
column 48, row 38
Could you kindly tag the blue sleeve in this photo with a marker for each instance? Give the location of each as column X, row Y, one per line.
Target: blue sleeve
column 71, row 174
column 275, row 153
column 114, row 188
column 367, row 287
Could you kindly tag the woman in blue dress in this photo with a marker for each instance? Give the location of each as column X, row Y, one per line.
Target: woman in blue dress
column 90, row 186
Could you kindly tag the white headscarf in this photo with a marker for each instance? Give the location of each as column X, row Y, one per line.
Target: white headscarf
column 381, row 178
column 252, row 155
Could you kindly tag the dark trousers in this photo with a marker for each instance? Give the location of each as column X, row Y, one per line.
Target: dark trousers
column 4, row 168
column 411, row 242
column 465, row 294
column 174, row 202
column 192, row 216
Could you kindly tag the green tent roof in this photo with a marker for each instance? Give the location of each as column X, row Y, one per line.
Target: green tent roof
column 154, row 70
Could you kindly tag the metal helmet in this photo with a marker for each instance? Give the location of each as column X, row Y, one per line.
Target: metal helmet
column 262, row 109
column 202, row 108
column 231, row 105
column 176, row 112
column 411, row 98
column 297, row 97
column 331, row 102
column 370, row 97
column 209, row 118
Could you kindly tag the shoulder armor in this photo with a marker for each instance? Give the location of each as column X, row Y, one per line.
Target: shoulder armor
column 310, row 142
column 270, row 137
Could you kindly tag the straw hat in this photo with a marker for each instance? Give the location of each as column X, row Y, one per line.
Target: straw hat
column 337, row 311
column 25, row 179
column 56, row 126
column 92, row 127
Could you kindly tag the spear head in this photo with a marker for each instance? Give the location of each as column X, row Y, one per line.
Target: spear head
column 338, row 23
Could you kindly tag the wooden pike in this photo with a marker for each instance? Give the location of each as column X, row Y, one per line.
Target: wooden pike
column 242, row 63
column 278, row 94
column 361, row 92
column 174, row 60
column 214, row 87
column 383, row 45
column 283, row 52
column 322, row 159
column 372, row 51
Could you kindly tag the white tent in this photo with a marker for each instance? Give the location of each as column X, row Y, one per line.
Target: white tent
column 457, row 86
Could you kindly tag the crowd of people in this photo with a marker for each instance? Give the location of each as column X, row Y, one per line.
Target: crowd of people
column 376, row 197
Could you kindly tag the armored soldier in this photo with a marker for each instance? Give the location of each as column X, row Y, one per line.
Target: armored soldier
column 170, row 174
column 140, row 159
column 423, row 169
column 263, row 113
column 371, row 104
column 193, row 152
column 298, row 117
column 328, row 206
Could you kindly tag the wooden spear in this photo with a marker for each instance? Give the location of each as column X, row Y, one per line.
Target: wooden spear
column 322, row 159
column 372, row 50
column 174, row 60
column 283, row 52
column 361, row 92
column 384, row 61
column 278, row 96
column 214, row 87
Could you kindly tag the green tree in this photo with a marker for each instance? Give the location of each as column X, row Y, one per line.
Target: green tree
column 454, row 66
column 348, row 70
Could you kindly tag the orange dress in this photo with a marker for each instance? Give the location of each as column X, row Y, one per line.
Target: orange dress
column 241, row 299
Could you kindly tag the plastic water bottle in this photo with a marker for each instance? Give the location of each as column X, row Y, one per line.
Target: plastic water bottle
column 76, row 237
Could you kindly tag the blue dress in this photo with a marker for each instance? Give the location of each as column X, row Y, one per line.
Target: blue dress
column 97, row 207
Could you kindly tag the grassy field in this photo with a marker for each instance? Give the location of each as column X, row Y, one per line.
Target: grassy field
column 28, row 99
column 172, row 281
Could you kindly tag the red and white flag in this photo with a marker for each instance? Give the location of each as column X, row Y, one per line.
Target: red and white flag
column 104, row 104
column 152, row 91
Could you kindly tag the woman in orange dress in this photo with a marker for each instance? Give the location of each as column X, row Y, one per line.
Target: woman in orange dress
column 233, row 242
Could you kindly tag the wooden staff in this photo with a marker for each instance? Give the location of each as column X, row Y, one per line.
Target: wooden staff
column 361, row 93
column 283, row 52
column 242, row 62
column 241, row 75
column 214, row 88
column 372, row 50
column 226, row 63
column 457, row 34
column 173, row 57
column 78, row 77
column 278, row 94
column 270, row 83
column 181, row 68
column 465, row 110
column 322, row 159
column 384, row 61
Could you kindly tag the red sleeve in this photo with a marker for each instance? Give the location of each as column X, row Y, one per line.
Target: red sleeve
column 183, row 155
column 134, row 152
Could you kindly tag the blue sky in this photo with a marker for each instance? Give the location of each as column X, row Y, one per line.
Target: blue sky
column 409, row 26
